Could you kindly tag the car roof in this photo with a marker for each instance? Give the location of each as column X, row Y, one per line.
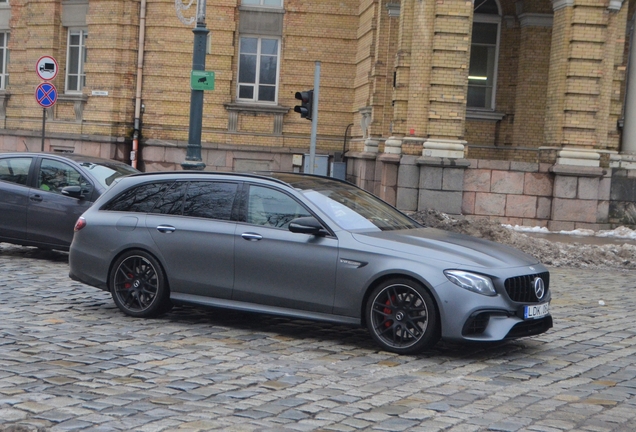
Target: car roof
column 300, row 181
column 71, row 156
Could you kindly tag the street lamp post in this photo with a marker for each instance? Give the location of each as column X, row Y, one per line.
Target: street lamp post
column 193, row 159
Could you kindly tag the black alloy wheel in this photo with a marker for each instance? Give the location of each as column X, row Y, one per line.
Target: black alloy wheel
column 138, row 285
column 401, row 317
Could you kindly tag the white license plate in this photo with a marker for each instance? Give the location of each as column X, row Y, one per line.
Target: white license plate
column 536, row 311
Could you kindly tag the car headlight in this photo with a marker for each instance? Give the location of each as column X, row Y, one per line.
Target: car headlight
column 471, row 281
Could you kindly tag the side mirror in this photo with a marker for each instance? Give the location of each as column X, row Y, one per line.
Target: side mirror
column 73, row 192
column 306, row 225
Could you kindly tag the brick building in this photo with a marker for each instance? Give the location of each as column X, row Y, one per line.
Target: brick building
column 512, row 110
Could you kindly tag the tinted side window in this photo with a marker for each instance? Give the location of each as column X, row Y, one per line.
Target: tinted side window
column 54, row 175
column 211, row 200
column 272, row 208
column 172, row 201
column 141, row 199
column 15, row 170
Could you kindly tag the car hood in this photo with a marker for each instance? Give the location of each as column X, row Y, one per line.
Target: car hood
column 439, row 245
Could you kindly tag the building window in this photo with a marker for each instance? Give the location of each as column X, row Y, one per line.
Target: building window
column 75, row 59
column 4, row 60
column 484, row 49
column 271, row 3
column 258, row 69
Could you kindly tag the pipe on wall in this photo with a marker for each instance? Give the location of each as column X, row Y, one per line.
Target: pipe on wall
column 140, row 70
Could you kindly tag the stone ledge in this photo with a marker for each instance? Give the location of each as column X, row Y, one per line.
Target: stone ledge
column 361, row 155
column 443, row 162
column 577, row 171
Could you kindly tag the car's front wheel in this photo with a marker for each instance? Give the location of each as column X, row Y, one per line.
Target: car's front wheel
column 401, row 317
column 138, row 285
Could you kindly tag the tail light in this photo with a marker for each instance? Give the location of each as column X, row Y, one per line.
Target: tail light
column 81, row 223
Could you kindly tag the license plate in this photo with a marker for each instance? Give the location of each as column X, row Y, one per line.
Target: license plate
column 536, row 311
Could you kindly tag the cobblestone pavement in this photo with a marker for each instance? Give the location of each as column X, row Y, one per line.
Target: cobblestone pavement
column 69, row 360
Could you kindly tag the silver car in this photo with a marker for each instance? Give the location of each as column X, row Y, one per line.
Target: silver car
column 306, row 247
column 43, row 194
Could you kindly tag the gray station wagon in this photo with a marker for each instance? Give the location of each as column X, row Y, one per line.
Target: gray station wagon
column 306, row 247
column 43, row 194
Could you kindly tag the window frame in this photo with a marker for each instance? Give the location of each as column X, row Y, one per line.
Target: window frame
column 81, row 61
column 256, row 84
column 488, row 19
column 4, row 71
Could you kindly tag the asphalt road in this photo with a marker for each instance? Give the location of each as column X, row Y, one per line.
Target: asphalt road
column 69, row 360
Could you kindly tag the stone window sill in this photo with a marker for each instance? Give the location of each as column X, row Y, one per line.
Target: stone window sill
column 483, row 114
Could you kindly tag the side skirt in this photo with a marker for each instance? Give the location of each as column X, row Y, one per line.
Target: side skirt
column 180, row 298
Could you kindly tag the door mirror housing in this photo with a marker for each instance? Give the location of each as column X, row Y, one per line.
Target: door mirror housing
column 307, row 225
column 73, row 192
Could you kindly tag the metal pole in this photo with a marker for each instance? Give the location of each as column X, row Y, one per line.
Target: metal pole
column 43, row 126
column 193, row 159
column 314, row 119
column 629, row 128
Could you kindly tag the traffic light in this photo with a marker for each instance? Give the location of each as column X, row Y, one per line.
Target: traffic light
column 306, row 98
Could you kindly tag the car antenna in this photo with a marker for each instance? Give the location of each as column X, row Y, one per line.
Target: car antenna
column 25, row 145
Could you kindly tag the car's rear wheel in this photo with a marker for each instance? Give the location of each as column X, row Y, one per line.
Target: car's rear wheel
column 138, row 285
column 401, row 317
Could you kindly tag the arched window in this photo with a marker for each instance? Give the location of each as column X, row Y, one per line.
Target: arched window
column 484, row 50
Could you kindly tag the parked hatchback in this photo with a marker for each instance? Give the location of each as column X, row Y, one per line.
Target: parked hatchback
column 42, row 195
column 306, row 247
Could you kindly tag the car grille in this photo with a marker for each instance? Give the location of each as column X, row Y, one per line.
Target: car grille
column 530, row 328
column 521, row 289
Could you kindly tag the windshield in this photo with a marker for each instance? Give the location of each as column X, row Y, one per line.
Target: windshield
column 355, row 209
column 106, row 173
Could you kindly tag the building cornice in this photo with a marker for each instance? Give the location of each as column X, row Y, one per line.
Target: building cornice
column 560, row 4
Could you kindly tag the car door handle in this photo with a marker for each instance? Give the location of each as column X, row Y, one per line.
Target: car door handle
column 251, row 236
column 37, row 198
column 166, row 229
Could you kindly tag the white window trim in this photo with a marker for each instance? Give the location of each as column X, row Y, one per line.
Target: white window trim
column 491, row 19
column 282, row 3
column 4, row 73
column 255, row 100
column 81, row 60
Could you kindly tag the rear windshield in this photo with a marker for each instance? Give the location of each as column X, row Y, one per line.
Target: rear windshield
column 107, row 172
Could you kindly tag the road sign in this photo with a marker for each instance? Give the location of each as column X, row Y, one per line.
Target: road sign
column 202, row 80
column 46, row 68
column 46, row 95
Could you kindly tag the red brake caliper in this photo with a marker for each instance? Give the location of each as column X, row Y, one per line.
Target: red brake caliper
column 388, row 311
column 128, row 284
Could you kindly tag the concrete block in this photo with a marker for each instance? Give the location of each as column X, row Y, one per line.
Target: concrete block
column 431, row 178
column 623, row 188
column 604, row 188
column 574, row 210
column 544, row 207
column 490, row 204
column 406, row 199
column 588, row 188
column 540, row 184
column 507, row 182
column 523, row 206
column 557, row 226
column 389, row 175
column 535, row 222
column 602, row 212
column 565, row 186
column 408, row 176
column 453, row 179
column 494, row 164
column 477, row 180
column 524, row 166
column 447, row 202
column 216, row 158
column 468, row 203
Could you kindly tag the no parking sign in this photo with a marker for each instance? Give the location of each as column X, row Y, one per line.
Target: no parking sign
column 46, row 95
